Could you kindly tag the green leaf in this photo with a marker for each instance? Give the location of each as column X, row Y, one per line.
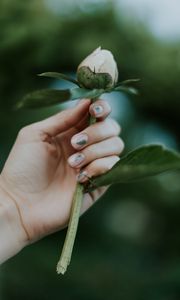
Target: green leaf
column 48, row 97
column 127, row 82
column 59, row 76
column 124, row 89
column 79, row 93
column 140, row 163
column 123, row 86
column 43, row 98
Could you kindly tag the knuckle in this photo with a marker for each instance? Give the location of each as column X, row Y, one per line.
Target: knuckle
column 90, row 151
column 100, row 128
column 31, row 132
column 115, row 126
column 23, row 131
column 115, row 159
column 101, row 166
column 91, row 170
column 96, row 168
column 118, row 142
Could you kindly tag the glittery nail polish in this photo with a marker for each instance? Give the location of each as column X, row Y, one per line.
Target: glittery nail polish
column 76, row 159
column 80, row 140
column 81, row 176
column 98, row 109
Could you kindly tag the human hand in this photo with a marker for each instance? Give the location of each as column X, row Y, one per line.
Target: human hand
column 41, row 172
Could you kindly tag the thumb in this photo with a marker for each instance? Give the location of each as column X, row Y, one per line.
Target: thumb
column 65, row 119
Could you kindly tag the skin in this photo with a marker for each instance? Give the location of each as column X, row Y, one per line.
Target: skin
column 38, row 179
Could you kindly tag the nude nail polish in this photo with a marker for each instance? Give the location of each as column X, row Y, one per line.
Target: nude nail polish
column 75, row 159
column 80, row 140
column 98, row 110
column 81, row 176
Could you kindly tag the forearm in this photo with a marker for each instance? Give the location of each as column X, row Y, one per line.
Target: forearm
column 12, row 236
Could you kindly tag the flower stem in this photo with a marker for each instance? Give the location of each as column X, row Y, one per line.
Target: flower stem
column 92, row 119
column 66, row 254
column 72, row 229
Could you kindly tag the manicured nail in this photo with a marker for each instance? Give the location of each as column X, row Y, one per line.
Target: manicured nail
column 75, row 159
column 98, row 110
column 81, row 176
column 80, row 139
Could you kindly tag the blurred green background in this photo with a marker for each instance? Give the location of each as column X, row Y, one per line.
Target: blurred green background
column 128, row 244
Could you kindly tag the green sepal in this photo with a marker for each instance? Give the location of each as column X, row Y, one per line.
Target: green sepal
column 59, row 76
column 92, row 80
column 80, row 93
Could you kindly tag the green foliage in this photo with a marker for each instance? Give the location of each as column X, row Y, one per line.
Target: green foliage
column 109, row 262
column 59, row 76
column 127, row 82
column 126, row 86
column 43, row 98
column 143, row 162
column 84, row 93
column 125, row 89
column 138, row 164
column 48, row 97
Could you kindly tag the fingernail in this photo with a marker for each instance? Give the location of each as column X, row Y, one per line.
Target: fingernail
column 80, row 140
column 75, row 159
column 98, row 110
column 81, row 176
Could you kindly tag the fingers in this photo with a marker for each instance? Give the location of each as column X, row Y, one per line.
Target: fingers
column 95, row 133
column 72, row 117
column 64, row 120
column 109, row 147
column 100, row 109
column 97, row 167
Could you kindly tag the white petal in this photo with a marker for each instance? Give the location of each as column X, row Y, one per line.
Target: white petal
column 101, row 61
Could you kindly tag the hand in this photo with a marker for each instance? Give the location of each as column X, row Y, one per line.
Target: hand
column 44, row 165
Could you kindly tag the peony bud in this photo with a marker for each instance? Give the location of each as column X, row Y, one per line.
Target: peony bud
column 98, row 70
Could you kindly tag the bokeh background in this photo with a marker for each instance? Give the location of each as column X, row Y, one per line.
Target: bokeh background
column 128, row 244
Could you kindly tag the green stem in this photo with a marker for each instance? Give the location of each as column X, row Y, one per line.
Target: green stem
column 92, row 119
column 72, row 229
column 73, row 222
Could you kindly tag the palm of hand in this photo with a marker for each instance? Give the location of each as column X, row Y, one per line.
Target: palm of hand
column 46, row 185
column 37, row 175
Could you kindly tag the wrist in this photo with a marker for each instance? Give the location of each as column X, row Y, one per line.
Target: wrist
column 12, row 234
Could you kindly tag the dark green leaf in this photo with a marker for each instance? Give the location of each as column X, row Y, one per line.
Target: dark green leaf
column 142, row 162
column 126, row 89
column 43, row 98
column 48, row 97
column 127, row 82
column 59, row 76
column 79, row 93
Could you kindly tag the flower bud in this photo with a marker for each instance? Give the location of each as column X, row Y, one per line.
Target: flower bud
column 98, row 70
